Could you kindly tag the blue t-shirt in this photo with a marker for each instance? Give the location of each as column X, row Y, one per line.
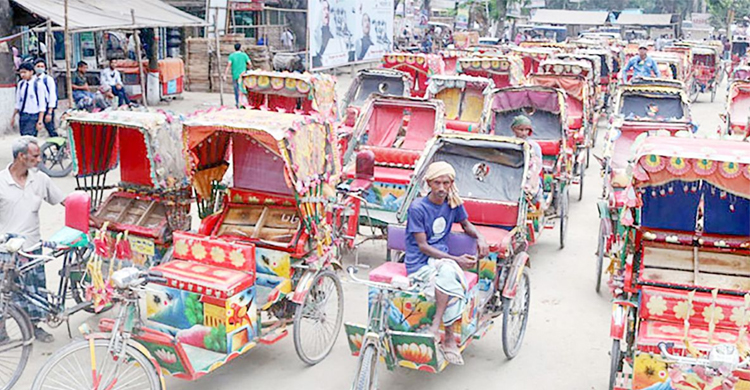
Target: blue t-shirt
column 435, row 221
column 642, row 68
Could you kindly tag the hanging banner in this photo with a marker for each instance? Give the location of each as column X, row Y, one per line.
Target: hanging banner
column 345, row 32
column 462, row 18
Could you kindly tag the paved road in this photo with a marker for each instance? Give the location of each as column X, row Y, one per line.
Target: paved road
column 567, row 340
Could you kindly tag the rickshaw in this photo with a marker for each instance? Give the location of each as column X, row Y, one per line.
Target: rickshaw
column 594, row 76
column 546, row 108
column 708, row 69
column 419, row 66
column 609, row 69
column 463, row 97
column 738, row 54
column 737, row 115
column 490, row 174
column 393, row 131
column 532, row 57
column 387, row 82
column 504, row 71
column 152, row 199
column 670, row 111
column 681, row 320
column 575, row 78
column 259, row 264
column 301, row 93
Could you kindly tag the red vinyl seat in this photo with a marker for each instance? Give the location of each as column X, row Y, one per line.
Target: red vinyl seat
column 207, row 279
column 550, row 148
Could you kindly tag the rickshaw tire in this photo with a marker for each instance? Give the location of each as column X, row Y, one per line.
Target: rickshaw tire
column 713, row 94
column 600, row 257
column 512, row 351
column 299, row 313
column 24, row 325
column 580, row 181
column 615, row 360
column 367, row 364
column 52, row 172
column 564, row 199
column 82, row 344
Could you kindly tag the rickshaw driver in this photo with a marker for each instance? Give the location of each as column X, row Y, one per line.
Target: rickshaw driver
column 428, row 225
column 642, row 64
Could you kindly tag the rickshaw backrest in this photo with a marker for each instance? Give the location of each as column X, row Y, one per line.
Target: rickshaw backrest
column 214, row 251
column 256, row 167
column 458, row 243
column 660, row 304
column 502, row 214
column 670, row 209
column 77, row 210
column 420, row 129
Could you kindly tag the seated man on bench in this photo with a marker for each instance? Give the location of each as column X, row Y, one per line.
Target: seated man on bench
column 428, row 226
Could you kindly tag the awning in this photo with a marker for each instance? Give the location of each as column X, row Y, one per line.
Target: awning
column 655, row 20
column 92, row 15
column 559, row 16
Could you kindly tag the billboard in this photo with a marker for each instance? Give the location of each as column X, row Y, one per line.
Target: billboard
column 343, row 32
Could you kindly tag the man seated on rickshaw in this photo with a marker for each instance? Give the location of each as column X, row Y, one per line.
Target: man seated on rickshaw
column 428, row 225
column 642, row 64
column 522, row 128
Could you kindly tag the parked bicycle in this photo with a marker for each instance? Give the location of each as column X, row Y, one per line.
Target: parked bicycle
column 16, row 329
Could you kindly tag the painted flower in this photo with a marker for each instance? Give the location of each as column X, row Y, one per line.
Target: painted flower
column 303, row 86
column 730, row 169
column 277, row 82
column 236, row 258
column 290, row 83
column 656, row 305
column 356, row 340
column 251, row 82
column 181, row 248
column 746, row 171
column 264, row 81
column 413, row 352
column 199, row 251
column 165, row 356
column 704, row 166
column 217, row 254
column 653, row 163
column 681, row 310
column 678, row 166
column 713, row 314
column 647, row 370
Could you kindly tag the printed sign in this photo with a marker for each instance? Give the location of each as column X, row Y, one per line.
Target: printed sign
column 141, row 245
column 344, row 32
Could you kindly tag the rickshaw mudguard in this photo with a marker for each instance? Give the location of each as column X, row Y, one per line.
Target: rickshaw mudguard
column 619, row 325
column 515, row 274
column 303, row 286
column 137, row 345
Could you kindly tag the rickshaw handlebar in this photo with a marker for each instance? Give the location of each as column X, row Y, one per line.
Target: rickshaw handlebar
column 351, row 270
column 705, row 362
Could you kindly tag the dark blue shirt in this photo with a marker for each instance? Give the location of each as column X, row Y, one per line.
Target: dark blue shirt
column 435, row 222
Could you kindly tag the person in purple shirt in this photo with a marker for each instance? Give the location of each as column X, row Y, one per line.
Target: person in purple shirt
column 428, row 225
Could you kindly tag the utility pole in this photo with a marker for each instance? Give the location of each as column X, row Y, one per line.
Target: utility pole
column 68, row 73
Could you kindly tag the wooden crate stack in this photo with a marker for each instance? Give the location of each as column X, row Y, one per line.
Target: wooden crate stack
column 203, row 74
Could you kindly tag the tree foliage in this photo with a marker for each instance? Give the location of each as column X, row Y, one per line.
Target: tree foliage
column 720, row 8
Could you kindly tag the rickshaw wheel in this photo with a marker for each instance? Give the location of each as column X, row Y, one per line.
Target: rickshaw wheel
column 367, row 365
column 600, row 249
column 56, row 160
column 694, row 92
column 616, row 359
column 713, row 94
column 317, row 320
column 564, row 201
column 516, row 316
column 581, row 175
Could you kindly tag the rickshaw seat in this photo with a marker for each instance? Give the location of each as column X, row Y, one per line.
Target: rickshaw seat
column 385, row 273
column 209, row 265
column 458, row 125
column 394, row 156
column 392, row 175
column 549, row 148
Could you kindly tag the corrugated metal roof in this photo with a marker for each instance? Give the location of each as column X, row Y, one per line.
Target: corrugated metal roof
column 108, row 14
column 560, row 16
column 644, row 19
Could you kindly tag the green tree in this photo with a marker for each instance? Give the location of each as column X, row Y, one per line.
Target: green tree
column 720, row 8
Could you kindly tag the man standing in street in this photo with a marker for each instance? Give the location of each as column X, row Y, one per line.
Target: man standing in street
column 239, row 62
column 22, row 190
column 40, row 67
column 31, row 102
column 112, row 77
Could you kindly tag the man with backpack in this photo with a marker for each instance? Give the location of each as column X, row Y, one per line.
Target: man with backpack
column 40, row 67
column 31, row 102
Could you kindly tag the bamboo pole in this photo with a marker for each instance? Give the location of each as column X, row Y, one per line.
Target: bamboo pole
column 68, row 73
column 137, row 35
column 50, row 47
column 218, row 56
